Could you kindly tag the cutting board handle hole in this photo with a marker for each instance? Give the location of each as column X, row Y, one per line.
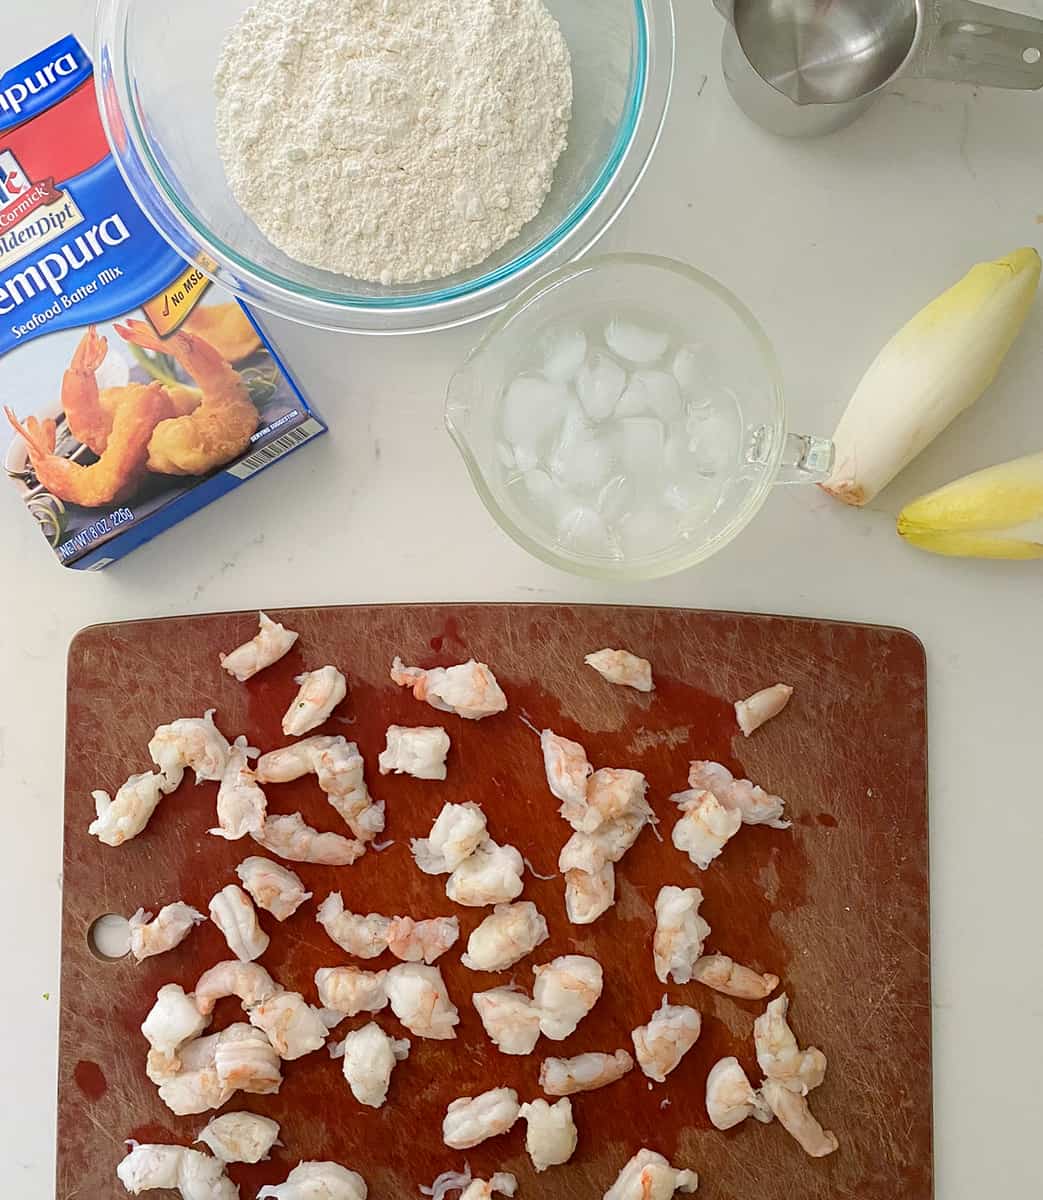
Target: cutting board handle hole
column 108, row 937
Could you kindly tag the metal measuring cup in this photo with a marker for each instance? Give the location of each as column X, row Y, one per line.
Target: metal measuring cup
column 806, row 67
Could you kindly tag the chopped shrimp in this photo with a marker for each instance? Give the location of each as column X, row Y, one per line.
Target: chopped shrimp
column 590, row 851
column 196, row 1175
column 292, row 761
column 363, row 937
column 779, row 1055
column 290, row 1023
column 583, row 1073
column 666, row 1039
column 566, row 989
column 249, row 981
column 124, row 816
column 550, row 1136
column 755, row 710
column 679, row 934
column 648, row 1176
column 458, row 831
column 724, row 975
column 471, row 1120
column 240, row 1137
column 757, row 806
column 418, row 751
column 469, row 690
column 194, row 742
column 320, row 693
column 730, row 1098
column 274, row 888
column 291, row 838
column 317, row 1181
column 491, row 875
column 505, row 937
column 369, row 1058
column 420, row 1001
column 247, row 1061
column 267, row 646
column 191, row 1084
column 622, row 667
column 173, row 1020
column 479, row 1189
column 350, row 990
column 422, row 941
column 171, row 925
column 796, row 1118
column 510, row 1019
column 232, row 911
column 588, row 894
column 704, row 827
column 241, row 804
column 341, row 772
column 568, row 770
column 613, row 793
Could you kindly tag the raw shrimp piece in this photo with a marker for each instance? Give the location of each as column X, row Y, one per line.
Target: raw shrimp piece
column 505, row 937
column 241, row 804
column 173, row 1020
column 757, row 806
column 566, row 989
column 471, row 1120
column 491, row 875
column 480, row 1189
column 469, row 690
column 274, row 888
column 369, row 1058
column 247, row 1061
column 317, row 1181
column 730, row 1098
column 291, row 838
column 752, row 712
column 418, row 751
column 510, row 1019
column 607, row 844
column 622, row 667
column 550, row 1136
column 249, row 981
column 704, row 826
column 125, row 815
column 240, row 1137
column 191, row 1083
column 420, row 1001
column 290, row 1023
column 679, row 933
column 197, row 1176
column 779, row 1055
column 233, row 912
column 613, row 794
column 666, row 1039
column 292, row 761
column 363, row 937
column 350, row 990
column 723, row 974
column 584, row 1073
column 458, row 831
column 589, row 893
column 341, row 772
column 796, row 1118
column 320, row 693
column 568, row 770
column 422, row 941
column 193, row 742
column 267, row 646
column 155, row 935
column 648, row 1176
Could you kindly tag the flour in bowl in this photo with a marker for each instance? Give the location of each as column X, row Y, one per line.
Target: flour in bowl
column 393, row 140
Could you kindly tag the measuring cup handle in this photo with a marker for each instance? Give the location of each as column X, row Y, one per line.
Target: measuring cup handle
column 975, row 43
column 804, row 459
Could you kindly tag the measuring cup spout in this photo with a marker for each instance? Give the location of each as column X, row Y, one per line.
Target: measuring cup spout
column 975, row 43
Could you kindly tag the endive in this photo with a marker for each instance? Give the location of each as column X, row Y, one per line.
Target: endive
column 929, row 372
column 995, row 513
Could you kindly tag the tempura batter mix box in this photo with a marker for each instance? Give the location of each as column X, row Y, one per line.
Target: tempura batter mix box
column 134, row 389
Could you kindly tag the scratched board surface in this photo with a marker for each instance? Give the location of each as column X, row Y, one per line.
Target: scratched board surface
column 837, row 905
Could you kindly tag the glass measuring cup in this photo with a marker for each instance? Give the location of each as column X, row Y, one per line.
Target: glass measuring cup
column 736, row 365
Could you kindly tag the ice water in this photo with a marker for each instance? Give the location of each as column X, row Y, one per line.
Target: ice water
column 617, row 437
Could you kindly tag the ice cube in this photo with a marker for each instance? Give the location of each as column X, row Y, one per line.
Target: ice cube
column 600, row 384
column 541, row 488
column 660, row 393
column 646, row 531
column 695, row 368
column 532, row 408
column 636, row 343
column 641, row 444
column 583, row 530
column 633, row 402
column 692, row 499
column 563, row 355
column 616, row 498
column 506, row 456
column 715, row 444
column 585, row 463
column 525, row 458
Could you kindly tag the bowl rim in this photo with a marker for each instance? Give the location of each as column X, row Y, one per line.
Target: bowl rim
column 664, row 563
column 588, row 219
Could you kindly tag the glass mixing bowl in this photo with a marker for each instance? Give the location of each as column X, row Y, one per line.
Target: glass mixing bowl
column 155, row 73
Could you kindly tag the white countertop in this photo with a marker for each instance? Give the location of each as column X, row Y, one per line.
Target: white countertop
column 833, row 244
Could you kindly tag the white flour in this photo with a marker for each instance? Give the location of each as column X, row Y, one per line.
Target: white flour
column 393, row 140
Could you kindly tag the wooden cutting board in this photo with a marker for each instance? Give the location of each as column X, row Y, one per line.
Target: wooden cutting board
column 837, row 906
